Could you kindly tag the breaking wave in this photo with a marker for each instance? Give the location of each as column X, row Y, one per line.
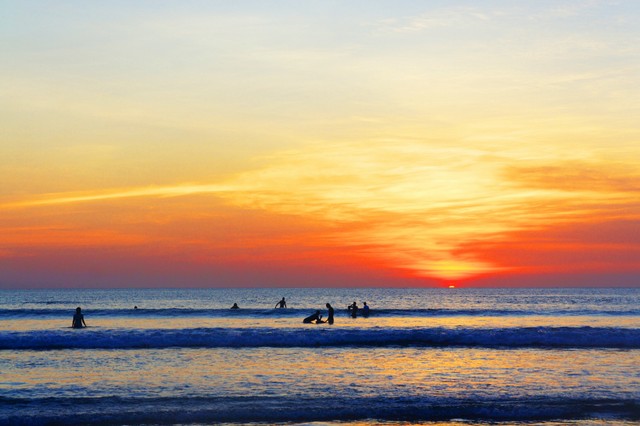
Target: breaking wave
column 209, row 410
column 322, row 336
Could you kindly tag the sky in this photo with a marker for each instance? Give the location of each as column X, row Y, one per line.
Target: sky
column 319, row 143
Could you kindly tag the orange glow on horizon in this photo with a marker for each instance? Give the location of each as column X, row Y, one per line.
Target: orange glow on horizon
column 263, row 146
column 235, row 221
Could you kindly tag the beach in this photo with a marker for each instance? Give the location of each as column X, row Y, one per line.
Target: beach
column 422, row 356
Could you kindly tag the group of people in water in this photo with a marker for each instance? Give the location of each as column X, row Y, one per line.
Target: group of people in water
column 316, row 317
column 353, row 309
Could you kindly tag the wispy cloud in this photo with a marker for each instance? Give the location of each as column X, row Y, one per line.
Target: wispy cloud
column 436, row 19
column 409, row 203
column 611, row 178
column 151, row 191
column 463, row 16
column 418, row 204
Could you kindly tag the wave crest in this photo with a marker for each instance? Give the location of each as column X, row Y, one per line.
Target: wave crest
column 527, row 337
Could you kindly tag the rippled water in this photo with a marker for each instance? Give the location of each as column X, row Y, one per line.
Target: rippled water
column 427, row 356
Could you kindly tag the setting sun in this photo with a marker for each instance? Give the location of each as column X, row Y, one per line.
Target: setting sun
column 212, row 141
column 320, row 212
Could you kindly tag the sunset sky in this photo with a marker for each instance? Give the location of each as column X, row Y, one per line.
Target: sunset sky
column 319, row 143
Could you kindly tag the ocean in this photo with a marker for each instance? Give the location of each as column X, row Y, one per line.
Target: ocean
column 421, row 356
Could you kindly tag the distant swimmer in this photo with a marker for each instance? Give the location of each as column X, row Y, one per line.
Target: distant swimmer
column 281, row 304
column 353, row 309
column 315, row 317
column 235, row 306
column 365, row 310
column 330, row 315
column 78, row 319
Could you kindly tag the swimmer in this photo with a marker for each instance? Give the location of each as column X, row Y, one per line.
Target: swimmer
column 365, row 310
column 353, row 309
column 78, row 319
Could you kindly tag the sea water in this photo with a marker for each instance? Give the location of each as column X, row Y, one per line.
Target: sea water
column 422, row 356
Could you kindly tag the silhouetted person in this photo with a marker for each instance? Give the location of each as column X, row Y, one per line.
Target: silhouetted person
column 330, row 314
column 315, row 317
column 78, row 319
column 353, row 309
column 281, row 304
column 235, row 306
column 365, row 310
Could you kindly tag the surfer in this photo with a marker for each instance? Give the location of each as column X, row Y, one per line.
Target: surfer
column 235, row 306
column 78, row 319
column 281, row 304
column 330, row 314
column 315, row 317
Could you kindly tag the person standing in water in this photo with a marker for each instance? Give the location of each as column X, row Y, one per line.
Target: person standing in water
column 353, row 310
column 365, row 310
column 281, row 304
column 78, row 319
column 330, row 314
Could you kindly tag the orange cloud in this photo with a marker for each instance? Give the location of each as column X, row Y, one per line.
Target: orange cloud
column 429, row 209
column 605, row 176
